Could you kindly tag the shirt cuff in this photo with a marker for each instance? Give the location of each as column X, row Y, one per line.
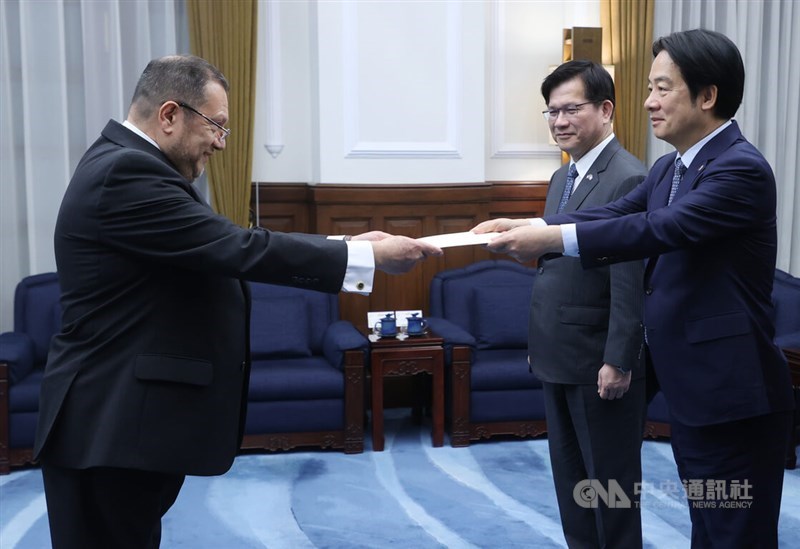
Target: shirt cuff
column 537, row 222
column 569, row 236
column 360, row 272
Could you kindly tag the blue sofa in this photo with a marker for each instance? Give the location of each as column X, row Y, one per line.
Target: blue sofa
column 306, row 386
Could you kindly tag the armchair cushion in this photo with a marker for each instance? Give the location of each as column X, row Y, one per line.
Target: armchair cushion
column 281, row 328
column 17, row 350
column 500, row 321
column 502, row 370
column 285, row 379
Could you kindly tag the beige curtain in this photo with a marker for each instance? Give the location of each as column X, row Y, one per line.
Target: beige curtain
column 224, row 33
column 627, row 44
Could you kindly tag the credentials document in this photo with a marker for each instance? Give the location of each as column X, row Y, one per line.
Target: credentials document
column 458, row 239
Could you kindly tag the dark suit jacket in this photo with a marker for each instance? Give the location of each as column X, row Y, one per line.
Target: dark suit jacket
column 581, row 319
column 150, row 369
column 708, row 279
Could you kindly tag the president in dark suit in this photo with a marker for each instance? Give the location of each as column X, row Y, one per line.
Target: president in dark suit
column 585, row 336
column 146, row 382
column 704, row 219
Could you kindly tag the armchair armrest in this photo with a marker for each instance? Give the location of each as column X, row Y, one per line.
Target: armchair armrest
column 788, row 341
column 17, row 350
column 342, row 336
column 453, row 335
column 450, row 332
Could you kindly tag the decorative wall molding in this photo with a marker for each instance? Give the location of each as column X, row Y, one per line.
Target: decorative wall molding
column 354, row 146
column 497, row 94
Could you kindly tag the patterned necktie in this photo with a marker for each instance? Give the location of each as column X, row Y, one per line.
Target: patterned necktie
column 680, row 169
column 571, row 175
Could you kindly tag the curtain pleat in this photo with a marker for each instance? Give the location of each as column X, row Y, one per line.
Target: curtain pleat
column 627, row 39
column 225, row 34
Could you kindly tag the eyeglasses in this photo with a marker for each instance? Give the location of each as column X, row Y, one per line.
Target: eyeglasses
column 551, row 115
column 221, row 131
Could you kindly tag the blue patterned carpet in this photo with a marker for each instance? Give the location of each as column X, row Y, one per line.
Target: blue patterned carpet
column 492, row 494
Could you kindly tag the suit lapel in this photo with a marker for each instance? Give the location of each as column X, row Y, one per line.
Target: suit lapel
column 556, row 189
column 691, row 178
column 660, row 195
column 592, row 176
column 707, row 154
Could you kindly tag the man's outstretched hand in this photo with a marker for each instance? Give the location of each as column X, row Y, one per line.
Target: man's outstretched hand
column 372, row 236
column 526, row 242
column 499, row 225
column 399, row 254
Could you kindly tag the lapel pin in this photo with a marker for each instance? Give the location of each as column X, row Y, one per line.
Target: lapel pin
column 589, row 177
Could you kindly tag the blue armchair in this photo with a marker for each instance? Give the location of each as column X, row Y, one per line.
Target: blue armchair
column 481, row 312
column 786, row 298
column 307, row 375
column 23, row 353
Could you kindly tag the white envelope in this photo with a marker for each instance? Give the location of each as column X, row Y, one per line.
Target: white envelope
column 467, row 238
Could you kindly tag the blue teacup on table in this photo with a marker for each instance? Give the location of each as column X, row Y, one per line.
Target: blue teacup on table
column 387, row 326
column 416, row 325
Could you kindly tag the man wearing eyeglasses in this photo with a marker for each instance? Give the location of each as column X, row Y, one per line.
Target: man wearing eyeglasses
column 584, row 333
column 146, row 382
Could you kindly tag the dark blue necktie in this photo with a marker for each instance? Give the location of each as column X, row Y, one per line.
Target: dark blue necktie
column 680, row 169
column 571, row 175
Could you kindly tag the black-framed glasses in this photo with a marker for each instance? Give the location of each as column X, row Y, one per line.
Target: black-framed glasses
column 221, row 131
column 569, row 111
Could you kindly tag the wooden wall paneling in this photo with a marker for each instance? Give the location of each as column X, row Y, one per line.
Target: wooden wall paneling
column 410, row 210
column 283, row 207
column 517, row 199
column 413, row 211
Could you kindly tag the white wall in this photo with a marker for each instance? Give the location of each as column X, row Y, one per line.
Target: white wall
column 407, row 92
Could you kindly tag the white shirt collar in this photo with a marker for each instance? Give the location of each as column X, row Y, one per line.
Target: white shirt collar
column 692, row 152
column 140, row 133
column 588, row 159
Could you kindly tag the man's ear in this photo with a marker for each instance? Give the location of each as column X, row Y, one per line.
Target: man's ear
column 608, row 108
column 168, row 117
column 708, row 97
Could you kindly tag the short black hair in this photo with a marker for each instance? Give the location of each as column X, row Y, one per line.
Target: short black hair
column 597, row 83
column 177, row 78
column 707, row 58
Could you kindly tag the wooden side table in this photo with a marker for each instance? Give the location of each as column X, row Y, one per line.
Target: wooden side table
column 406, row 356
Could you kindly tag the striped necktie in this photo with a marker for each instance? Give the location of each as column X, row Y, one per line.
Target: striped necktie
column 571, row 175
column 680, row 169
